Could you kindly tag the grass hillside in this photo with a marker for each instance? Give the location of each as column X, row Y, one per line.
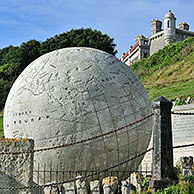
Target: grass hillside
column 1, row 124
column 169, row 72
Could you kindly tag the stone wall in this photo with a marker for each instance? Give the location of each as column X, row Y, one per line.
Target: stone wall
column 156, row 43
column 180, row 36
column 183, row 133
column 108, row 185
column 183, row 34
column 16, row 170
column 135, row 56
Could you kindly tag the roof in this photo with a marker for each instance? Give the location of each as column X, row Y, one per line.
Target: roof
column 131, row 49
column 169, row 15
column 125, row 55
column 157, row 20
column 134, row 46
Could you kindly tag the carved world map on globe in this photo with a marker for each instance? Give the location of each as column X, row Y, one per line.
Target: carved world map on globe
column 76, row 93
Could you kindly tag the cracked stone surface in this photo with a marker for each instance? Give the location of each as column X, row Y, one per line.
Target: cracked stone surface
column 74, row 93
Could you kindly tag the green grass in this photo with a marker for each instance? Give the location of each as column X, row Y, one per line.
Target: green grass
column 1, row 127
column 184, row 185
column 1, row 124
column 169, row 72
column 171, row 91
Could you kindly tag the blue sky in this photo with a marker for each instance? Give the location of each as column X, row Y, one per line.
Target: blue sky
column 123, row 20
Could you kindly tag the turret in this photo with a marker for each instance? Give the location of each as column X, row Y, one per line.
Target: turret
column 141, row 39
column 156, row 26
column 184, row 26
column 169, row 28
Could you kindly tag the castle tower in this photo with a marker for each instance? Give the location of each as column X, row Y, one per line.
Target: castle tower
column 144, row 49
column 156, row 26
column 169, row 28
column 184, row 26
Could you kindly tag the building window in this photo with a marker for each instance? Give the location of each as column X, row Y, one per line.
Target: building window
column 145, row 54
column 168, row 23
column 145, row 42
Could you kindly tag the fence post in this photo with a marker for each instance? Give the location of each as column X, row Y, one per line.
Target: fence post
column 162, row 159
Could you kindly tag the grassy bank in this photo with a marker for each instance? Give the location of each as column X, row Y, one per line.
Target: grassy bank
column 1, row 126
column 169, row 72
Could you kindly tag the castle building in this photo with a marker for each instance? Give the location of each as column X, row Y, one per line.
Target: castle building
column 159, row 38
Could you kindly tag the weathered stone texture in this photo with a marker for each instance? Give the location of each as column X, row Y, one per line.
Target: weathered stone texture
column 80, row 185
column 163, row 172
column 186, row 166
column 95, row 187
column 136, row 180
column 183, row 131
column 127, row 188
column 156, row 44
column 51, row 190
column 75, row 93
column 68, row 188
column 110, row 185
column 16, row 169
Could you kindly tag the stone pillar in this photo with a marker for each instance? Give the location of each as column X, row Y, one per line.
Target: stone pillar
column 162, row 159
column 110, row 185
column 136, row 180
column 186, row 164
column 68, row 188
column 51, row 190
column 127, row 188
column 81, row 185
column 95, row 187
column 16, row 169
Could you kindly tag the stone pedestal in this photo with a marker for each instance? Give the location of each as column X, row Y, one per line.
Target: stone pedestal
column 68, row 188
column 16, row 170
column 127, row 188
column 163, row 172
column 95, row 187
column 81, row 185
column 136, row 180
column 110, row 185
column 51, row 190
column 186, row 164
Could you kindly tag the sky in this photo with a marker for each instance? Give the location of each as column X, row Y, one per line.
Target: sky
column 123, row 20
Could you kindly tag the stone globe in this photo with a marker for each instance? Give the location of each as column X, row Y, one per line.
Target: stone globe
column 73, row 94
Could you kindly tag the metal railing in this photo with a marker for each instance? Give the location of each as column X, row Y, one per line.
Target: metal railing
column 64, row 174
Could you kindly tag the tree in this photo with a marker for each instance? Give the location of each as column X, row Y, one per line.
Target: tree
column 29, row 51
column 4, row 90
column 14, row 59
column 80, row 38
column 10, row 55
